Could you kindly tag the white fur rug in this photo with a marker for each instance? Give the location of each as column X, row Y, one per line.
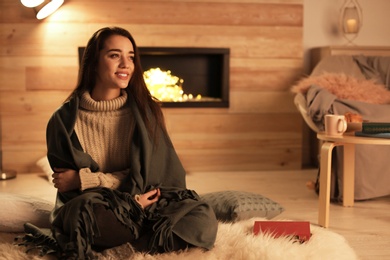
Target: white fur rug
column 234, row 242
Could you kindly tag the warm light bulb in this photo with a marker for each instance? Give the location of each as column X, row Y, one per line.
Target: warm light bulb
column 48, row 9
column 31, row 3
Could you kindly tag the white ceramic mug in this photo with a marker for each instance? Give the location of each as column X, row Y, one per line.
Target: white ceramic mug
column 335, row 124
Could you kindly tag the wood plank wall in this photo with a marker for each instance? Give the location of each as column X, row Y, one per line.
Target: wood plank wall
column 261, row 130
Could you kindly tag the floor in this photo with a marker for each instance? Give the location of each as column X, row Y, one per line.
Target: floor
column 366, row 226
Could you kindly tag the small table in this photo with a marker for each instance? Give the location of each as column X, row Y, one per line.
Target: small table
column 348, row 140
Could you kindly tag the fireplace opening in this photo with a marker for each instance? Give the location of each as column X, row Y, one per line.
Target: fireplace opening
column 203, row 73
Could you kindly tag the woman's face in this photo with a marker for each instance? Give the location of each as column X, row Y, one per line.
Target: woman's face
column 115, row 66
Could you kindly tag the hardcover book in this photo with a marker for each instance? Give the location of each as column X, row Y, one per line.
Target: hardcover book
column 298, row 229
column 376, row 135
column 376, row 127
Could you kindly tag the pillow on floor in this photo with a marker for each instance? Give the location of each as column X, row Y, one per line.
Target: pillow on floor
column 231, row 206
column 44, row 165
column 17, row 209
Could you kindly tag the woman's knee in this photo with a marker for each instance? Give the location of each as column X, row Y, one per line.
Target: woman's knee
column 111, row 231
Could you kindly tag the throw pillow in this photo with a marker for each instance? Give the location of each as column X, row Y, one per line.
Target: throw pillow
column 17, row 209
column 44, row 165
column 346, row 87
column 231, row 206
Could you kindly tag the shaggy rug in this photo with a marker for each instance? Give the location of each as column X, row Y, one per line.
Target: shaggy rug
column 234, row 241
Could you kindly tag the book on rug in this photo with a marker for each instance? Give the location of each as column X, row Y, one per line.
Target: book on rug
column 376, row 127
column 376, row 135
column 299, row 229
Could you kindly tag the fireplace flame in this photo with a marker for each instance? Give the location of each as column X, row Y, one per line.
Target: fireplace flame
column 166, row 87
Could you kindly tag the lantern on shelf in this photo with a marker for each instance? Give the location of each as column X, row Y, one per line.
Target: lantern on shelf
column 351, row 19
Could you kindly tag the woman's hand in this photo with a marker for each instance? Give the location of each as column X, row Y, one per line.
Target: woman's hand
column 148, row 198
column 66, row 179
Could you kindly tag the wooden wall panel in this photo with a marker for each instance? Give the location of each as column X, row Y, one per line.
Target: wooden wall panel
column 261, row 102
column 261, row 130
column 244, row 41
column 169, row 12
column 54, row 77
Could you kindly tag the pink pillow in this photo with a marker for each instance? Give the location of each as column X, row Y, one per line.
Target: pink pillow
column 346, row 87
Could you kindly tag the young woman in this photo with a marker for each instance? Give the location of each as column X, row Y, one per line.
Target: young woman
column 118, row 176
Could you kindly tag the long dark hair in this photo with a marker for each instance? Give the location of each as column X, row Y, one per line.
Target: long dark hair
column 136, row 87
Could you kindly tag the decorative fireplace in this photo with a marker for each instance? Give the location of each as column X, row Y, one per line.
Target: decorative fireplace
column 204, row 73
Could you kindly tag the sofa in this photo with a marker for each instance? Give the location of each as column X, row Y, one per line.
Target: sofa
column 357, row 84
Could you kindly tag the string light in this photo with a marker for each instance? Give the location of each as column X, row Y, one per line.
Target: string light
column 166, row 87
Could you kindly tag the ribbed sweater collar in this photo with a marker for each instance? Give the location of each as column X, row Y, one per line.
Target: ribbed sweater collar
column 88, row 103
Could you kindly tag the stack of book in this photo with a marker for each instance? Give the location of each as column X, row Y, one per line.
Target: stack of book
column 375, row 129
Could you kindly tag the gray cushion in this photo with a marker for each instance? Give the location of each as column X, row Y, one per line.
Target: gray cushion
column 17, row 209
column 231, row 206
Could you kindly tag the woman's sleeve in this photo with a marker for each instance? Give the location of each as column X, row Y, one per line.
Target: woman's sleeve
column 99, row 179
